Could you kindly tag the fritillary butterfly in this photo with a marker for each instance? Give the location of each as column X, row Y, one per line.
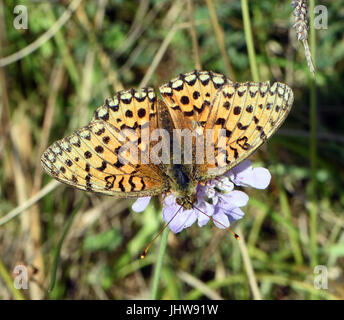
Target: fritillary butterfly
column 89, row 159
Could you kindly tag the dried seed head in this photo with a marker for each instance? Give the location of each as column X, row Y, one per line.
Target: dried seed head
column 301, row 21
column 301, row 28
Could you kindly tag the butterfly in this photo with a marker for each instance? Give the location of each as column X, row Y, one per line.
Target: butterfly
column 248, row 114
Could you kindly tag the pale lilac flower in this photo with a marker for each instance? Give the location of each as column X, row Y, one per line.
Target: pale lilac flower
column 217, row 199
column 141, row 204
column 246, row 176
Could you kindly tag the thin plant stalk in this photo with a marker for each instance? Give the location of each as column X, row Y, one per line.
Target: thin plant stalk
column 293, row 236
column 254, row 71
column 158, row 266
column 220, row 38
column 248, row 267
column 313, row 146
column 6, row 277
column 297, row 252
column 249, row 40
column 193, row 34
column 60, row 243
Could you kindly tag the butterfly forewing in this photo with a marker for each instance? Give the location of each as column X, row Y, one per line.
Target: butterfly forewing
column 190, row 96
column 249, row 113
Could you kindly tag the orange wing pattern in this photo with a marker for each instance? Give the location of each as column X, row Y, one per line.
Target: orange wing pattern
column 249, row 113
column 89, row 158
column 190, row 97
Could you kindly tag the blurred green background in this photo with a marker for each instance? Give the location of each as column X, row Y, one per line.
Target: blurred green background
column 73, row 55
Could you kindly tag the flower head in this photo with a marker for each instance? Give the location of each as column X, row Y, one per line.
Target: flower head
column 216, row 199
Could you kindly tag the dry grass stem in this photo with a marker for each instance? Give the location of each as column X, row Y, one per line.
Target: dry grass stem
column 199, row 285
column 248, row 266
column 193, row 33
column 46, row 36
column 220, row 40
column 30, row 202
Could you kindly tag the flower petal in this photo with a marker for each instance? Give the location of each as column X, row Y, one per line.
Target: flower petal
column 206, row 208
column 262, row 178
column 210, row 192
column 176, row 225
column 224, row 184
column 246, row 176
column 234, row 214
column 221, row 220
column 183, row 219
column 169, row 211
column 170, row 200
column 234, row 198
column 242, row 166
column 192, row 217
column 202, row 220
column 141, row 204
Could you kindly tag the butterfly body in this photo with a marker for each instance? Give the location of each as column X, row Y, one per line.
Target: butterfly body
column 183, row 184
column 239, row 116
column 178, row 176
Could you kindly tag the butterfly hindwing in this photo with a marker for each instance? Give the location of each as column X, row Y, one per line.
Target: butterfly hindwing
column 92, row 158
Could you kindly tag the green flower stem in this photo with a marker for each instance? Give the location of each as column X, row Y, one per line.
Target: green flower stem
column 249, row 40
column 158, row 266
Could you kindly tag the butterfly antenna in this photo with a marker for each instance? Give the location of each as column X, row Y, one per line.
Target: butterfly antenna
column 144, row 253
column 236, row 236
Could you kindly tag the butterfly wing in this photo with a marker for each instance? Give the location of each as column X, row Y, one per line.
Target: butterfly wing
column 89, row 159
column 190, row 96
column 248, row 113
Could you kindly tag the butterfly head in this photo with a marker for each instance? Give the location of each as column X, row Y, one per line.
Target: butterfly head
column 187, row 201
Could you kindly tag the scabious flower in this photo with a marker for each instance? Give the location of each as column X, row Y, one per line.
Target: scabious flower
column 217, row 198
